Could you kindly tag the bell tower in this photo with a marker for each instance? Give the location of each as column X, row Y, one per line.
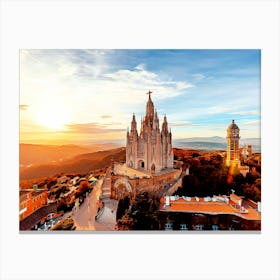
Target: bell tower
column 233, row 145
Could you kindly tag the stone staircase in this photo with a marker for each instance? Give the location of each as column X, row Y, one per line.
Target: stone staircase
column 107, row 216
column 106, row 186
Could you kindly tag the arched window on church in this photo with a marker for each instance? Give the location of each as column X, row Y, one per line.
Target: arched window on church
column 141, row 164
column 153, row 168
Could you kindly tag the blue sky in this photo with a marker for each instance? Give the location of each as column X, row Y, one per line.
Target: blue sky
column 82, row 96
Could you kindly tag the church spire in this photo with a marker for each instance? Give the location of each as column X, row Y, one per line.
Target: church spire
column 150, row 108
column 164, row 125
column 133, row 124
column 149, row 92
column 155, row 121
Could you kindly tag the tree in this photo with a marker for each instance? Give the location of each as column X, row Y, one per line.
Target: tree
column 142, row 214
column 65, row 224
column 83, row 188
column 122, row 207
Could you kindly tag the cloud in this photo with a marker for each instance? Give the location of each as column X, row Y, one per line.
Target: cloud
column 87, row 128
column 249, row 112
column 219, row 109
column 23, row 107
column 252, row 123
column 106, row 117
column 179, row 124
column 198, row 76
column 66, row 63
column 73, row 76
column 141, row 79
column 140, row 67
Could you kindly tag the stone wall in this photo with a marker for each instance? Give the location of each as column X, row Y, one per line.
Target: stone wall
column 152, row 184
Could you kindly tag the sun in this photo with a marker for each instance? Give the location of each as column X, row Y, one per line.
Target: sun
column 53, row 117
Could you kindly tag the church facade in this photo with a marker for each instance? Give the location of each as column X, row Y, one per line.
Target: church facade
column 151, row 149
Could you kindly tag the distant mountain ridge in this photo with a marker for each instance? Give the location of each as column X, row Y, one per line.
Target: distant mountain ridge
column 214, row 143
column 30, row 154
column 214, row 139
column 82, row 163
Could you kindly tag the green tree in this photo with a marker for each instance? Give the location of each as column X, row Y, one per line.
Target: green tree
column 142, row 214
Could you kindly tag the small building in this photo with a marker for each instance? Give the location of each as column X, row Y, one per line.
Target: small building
column 210, row 213
column 74, row 180
column 30, row 201
column 62, row 179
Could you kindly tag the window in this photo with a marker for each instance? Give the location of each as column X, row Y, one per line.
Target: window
column 215, row 227
column 168, row 226
column 199, row 227
column 183, row 227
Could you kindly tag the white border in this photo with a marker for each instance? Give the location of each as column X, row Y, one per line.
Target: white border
column 156, row 24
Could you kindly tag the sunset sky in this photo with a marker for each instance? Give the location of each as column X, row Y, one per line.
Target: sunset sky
column 88, row 96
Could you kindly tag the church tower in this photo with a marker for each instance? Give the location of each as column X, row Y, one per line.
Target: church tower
column 233, row 145
column 151, row 150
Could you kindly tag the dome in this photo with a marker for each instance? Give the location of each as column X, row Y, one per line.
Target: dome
column 233, row 126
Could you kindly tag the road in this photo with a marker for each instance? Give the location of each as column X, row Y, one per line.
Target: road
column 84, row 215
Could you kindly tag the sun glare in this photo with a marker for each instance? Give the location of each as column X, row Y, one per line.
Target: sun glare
column 53, row 117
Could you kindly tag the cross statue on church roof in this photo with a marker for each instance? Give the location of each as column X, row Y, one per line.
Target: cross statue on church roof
column 149, row 93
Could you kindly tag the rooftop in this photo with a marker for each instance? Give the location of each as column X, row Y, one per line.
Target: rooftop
column 23, row 193
column 212, row 206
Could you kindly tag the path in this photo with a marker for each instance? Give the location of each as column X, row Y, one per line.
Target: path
column 108, row 217
column 84, row 215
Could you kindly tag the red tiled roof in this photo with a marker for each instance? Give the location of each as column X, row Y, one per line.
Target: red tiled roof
column 209, row 207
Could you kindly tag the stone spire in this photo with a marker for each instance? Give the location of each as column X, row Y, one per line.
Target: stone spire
column 156, row 121
column 133, row 124
column 150, row 108
column 164, row 125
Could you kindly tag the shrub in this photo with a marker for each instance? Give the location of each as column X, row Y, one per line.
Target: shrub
column 65, row 224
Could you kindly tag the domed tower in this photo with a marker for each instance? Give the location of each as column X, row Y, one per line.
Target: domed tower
column 233, row 145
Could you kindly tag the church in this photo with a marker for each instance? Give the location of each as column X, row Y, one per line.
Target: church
column 149, row 160
column 151, row 149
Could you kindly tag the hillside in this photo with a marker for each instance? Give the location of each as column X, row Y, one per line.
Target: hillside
column 31, row 154
column 82, row 163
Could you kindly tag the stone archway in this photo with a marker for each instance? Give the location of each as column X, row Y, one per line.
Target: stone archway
column 122, row 187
